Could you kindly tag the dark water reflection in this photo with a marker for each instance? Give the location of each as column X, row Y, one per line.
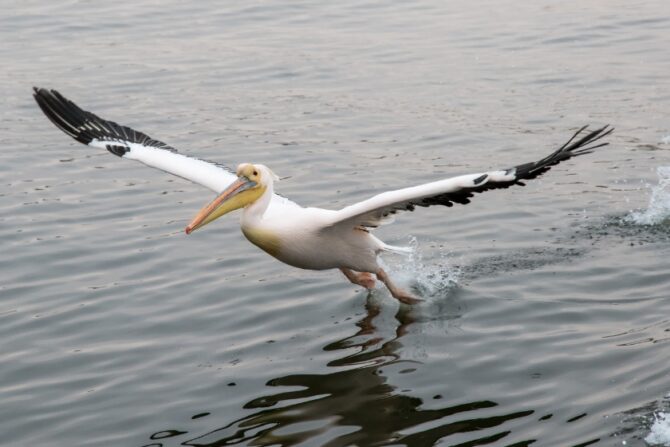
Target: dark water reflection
column 355, row 406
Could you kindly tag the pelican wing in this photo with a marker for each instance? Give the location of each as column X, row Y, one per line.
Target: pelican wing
column 379, row 209
column 90, row 129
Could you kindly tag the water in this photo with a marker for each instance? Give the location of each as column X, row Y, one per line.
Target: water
column 546, row 314
column 660, row 430
column 658, row 209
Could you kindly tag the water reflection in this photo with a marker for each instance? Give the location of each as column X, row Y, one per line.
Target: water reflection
column 354, row 406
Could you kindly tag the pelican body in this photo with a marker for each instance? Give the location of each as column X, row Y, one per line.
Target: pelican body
column 307, row 238
column 300, row 237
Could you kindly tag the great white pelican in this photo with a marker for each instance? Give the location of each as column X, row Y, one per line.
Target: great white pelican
column 308, row 238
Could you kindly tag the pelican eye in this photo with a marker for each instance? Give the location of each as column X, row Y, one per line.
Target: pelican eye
column 255, row 172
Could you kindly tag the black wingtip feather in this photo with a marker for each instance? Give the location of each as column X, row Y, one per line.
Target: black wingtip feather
column 64, row 114
column 571, row 148
column 85, row 126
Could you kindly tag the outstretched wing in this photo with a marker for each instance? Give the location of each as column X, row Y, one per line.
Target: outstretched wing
column 379, row 209
column 90, row 129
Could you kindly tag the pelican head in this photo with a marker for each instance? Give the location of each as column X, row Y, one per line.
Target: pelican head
column 252, row 181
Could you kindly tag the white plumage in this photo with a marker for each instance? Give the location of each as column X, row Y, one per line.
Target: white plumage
column 309, row 238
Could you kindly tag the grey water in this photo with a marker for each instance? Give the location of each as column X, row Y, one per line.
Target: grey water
column 546, row 318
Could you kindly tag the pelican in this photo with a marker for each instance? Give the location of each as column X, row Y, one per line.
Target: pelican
column 303, row 237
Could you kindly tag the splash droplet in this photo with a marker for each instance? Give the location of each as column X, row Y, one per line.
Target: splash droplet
column 660, row 430
column 427, row 279
column 659, row 203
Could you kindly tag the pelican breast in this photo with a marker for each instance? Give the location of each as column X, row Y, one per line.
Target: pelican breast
column 265, row 239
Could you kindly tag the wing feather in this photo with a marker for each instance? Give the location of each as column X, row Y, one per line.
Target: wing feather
column 125, row 142
column 376, row 211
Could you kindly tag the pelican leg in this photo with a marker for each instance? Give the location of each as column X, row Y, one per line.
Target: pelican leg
column 362, row 279
column 399, row 294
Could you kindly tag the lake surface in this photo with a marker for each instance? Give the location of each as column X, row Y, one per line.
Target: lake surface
column 546, row 319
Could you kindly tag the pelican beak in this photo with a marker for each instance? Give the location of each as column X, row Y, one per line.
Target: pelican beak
column 229, row 200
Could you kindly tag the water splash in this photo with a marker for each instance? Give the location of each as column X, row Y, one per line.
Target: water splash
column 659, row 433
column 659, row 204
column 426, row 279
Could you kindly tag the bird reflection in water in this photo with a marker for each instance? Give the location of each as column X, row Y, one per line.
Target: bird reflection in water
column 355, row 406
